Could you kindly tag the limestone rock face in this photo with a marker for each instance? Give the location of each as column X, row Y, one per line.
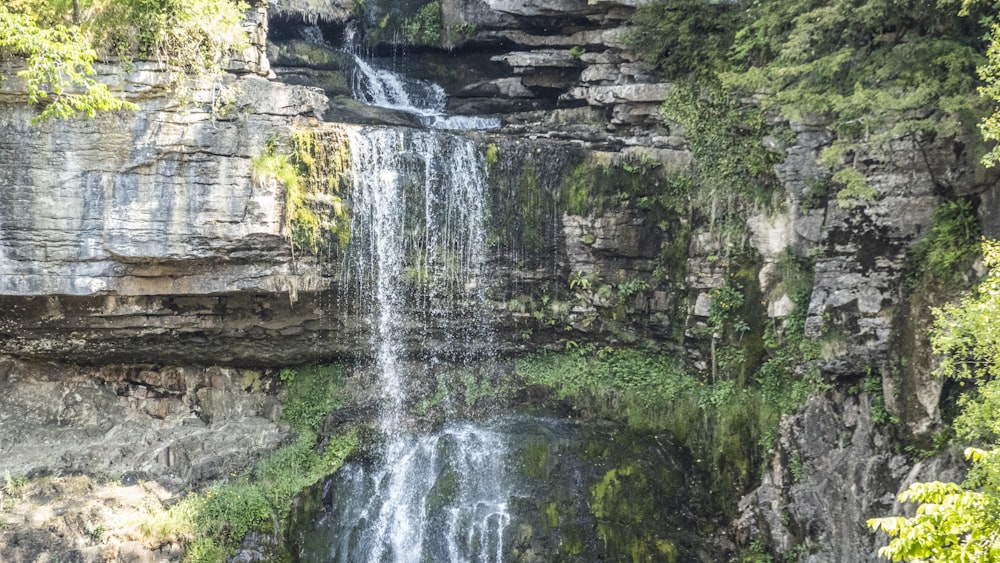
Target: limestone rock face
column 129, row 203
column 174, row 425
column 110, row 219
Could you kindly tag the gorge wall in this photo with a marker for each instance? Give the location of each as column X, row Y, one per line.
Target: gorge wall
column 145, row 247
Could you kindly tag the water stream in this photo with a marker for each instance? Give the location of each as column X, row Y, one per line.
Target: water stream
column 439, row 497
column 418, row 248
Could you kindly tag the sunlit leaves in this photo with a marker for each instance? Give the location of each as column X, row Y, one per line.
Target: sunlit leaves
column 58, row 73
column 967, row 335
column 190, row 35
column 951, row 524
column 989, row 73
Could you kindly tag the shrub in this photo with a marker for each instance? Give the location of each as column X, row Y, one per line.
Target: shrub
column 190, row 35
column 58, row 68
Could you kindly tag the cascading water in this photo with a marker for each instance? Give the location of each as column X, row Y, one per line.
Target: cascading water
column 426, row 100
column 418, row 249
column 418, row 243
column 440, row 497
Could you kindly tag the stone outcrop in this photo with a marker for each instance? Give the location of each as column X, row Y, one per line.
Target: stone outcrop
column 177, row 426
column 106, row 447
column 832, row 470
column 105, row 222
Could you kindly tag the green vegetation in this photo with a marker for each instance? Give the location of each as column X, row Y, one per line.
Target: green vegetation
column 426, row 26
column 734, row 168
column 957, row 522
column 60, row 40
column 214, row 521
column 59, row 67
column 312, row 172
column 726, row 426
column 599, row 184
column 621, row 503
column 189, row 35
column 947, row 251
column 491, row 156
column 686, row 37
column 989, row 73
column 873, row 72
column 464, row 30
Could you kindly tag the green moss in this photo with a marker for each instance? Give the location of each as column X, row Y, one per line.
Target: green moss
column 312, row 174
column 533, row 460
column 492, row 156
column 426, row 404
column 627, row 513
column 606, row 498
column 444, row 491
column 571, row 542
column 551, row 519
column 250, row 380
column 521, row 216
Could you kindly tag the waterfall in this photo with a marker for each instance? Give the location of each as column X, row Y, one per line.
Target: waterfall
column 417, row 260
column 418, row 244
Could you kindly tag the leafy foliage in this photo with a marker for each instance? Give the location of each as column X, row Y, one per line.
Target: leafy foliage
column 724, row 135
column 874, row 71
column 59, row 68
column 685, row 37
column 966, row 335
column 989, row 73
column 190, row 35
column 426, row 25
column 876, row 67
column 951, row 524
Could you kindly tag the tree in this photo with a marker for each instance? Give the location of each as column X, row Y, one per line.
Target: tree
column 959, row 522
column 58, row 68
